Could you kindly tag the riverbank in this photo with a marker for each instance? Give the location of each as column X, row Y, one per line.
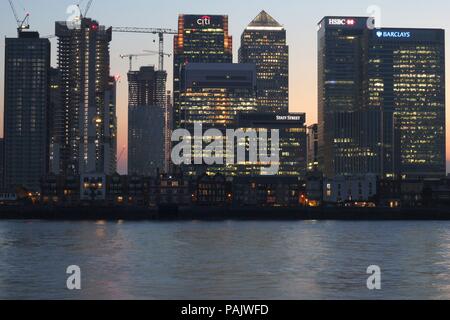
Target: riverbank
column 225, row 213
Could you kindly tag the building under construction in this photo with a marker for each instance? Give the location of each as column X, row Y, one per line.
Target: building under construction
column 147, row 103
column 88, row 143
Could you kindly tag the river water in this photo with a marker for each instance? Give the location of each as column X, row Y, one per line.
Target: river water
column 224, row 260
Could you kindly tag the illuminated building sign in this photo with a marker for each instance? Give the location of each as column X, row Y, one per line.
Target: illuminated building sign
column 289, row 118
column 341, row 22
column 393, row 34
column 204, row 21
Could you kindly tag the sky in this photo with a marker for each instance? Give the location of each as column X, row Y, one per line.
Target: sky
column 300, row 19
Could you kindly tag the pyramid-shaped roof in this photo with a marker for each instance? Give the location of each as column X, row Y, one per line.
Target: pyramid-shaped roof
column 264, row 20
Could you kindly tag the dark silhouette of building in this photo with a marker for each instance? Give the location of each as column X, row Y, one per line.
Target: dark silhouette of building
column 313, row 147
column 147, row 121
column 263, row 43
column 88, row 98
column 27, row 69
column 56, row 123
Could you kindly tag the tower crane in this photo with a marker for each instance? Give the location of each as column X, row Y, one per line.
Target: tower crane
column 86, row 10
column 159, row 31
column 22, row 24
column 157, row 52
column 135, row 56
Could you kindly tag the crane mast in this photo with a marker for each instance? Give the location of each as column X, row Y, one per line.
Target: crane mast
column 22, row 24
column 161, row 32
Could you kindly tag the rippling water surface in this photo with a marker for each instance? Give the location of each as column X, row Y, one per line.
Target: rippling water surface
column 224, row 260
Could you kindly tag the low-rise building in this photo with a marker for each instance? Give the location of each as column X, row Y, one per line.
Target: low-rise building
column 269, row 191
column 212, row 190
column 359, row 190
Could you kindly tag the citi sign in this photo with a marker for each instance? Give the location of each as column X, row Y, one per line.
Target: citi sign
column 393, row 34
column 342, row 22
column 204, row 21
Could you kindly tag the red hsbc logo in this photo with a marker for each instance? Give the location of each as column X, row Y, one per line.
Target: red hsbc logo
column 204, row 21
column 342, row 22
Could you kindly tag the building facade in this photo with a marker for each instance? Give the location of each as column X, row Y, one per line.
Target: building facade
column 88, row 98
column 215, row 93
column 312, row 146
column 147, row 129
column 292, row 142
column 200, row 39
column 340, row 77
column 263, row 43
column 27, row 78
column 381, row 100
column 405, row 80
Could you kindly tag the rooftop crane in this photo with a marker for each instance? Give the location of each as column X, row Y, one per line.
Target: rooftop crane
column 88, row 6
column 157, row 52
column 159, row 31
column 86, row 10
column 22, row 24
column 136, row 55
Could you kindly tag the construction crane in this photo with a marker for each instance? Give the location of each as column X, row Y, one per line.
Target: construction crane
column 22, row 24
column 159, row 31
column 157, row 52
column 135, row 56
column 86, row 10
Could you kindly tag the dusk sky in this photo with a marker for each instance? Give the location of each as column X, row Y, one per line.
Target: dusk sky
column 299, row 18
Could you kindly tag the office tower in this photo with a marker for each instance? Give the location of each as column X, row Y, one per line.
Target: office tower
column 88, row 100
column 109, row 128
column 215, row 93
column 340, row 65
column 263, row 43
column 56, row 123
column 168, row 123
column 146, row 121
column 313, row 147
column 292, row 142
column 405, row 78
column 200, row 39
column 27, row 67
column 381, row 100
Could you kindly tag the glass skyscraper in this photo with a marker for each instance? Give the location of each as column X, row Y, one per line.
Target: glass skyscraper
column 215, row 93
column 405, row 79
column 340, row 67
column 292, row 142
column 200, row 39
column 27, row 79
column 263, row 43
column 381, row 100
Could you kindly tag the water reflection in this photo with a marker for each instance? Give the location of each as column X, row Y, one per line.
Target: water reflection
column 225, row 260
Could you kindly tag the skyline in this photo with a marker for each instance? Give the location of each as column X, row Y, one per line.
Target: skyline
column 301, row 33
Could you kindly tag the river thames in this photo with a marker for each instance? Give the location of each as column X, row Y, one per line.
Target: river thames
column 224, row 260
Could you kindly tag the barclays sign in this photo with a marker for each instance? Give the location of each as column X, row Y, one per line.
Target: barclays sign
column 393, row 34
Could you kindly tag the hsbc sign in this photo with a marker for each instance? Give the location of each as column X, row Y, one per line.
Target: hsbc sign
column 341, row 22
